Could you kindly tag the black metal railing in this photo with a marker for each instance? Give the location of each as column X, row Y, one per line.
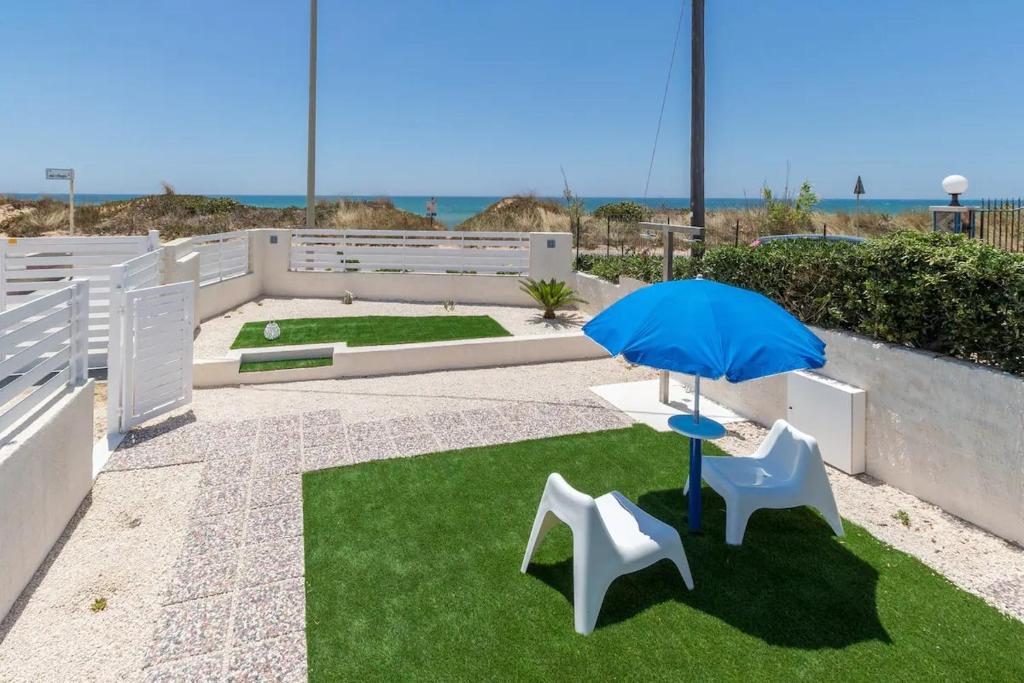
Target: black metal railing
column 999, row 222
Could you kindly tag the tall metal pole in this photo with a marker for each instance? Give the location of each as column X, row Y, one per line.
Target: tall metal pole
column 694, row 504
column 697, row 115
column 71, row 202
column 311, row 146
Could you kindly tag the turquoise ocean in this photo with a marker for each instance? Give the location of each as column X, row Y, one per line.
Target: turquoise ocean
column 453, row 210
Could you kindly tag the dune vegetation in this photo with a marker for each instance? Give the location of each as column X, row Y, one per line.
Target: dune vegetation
column 724, row 226
column 183, row 215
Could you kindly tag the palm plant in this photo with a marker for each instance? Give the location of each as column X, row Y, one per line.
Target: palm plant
column 551, row 294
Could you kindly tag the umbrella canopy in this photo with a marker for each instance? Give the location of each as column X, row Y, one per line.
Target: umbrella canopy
column 704, row 328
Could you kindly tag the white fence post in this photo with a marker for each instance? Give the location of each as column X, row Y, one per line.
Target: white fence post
column 115, row 352
column 3, row 280
column 153, row 237
column 79, row 339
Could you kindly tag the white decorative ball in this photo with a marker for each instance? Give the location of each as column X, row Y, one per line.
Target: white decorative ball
column 272, row 331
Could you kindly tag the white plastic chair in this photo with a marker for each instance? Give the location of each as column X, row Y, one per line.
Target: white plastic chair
column 786, row 472
column 610, row 537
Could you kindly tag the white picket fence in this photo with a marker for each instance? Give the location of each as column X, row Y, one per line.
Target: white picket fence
column 413, row 251
column 44, row 351
column 222, row 256
column 35, row 266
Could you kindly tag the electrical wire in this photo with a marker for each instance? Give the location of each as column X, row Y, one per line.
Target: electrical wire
column 664, row 97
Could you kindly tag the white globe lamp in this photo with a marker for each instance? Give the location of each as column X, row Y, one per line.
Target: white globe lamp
column 954, row 186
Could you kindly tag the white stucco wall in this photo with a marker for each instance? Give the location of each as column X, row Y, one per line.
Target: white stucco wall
column 220, row 297
column 551, row 256
column 399, row 359
column 45, row 473
column 600, row 294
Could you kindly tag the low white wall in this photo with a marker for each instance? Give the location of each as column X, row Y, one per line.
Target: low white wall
column 501, row 290
column 269, row 258
column 220, row 297
column 412, row 358
column 45, row 473
column 947, row 431
column 600, row 294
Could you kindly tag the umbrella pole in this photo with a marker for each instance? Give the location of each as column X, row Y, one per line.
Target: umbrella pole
column 694, row 501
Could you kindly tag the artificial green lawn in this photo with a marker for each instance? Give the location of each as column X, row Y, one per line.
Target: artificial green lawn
column 286, row 364
column 412, row 572
column 372, row 330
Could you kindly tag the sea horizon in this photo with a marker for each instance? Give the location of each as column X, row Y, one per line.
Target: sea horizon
column 452, row 210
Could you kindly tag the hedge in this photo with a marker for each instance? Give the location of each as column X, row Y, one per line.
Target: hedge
column 939, row 292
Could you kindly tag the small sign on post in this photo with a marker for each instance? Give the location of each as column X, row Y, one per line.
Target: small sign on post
column 67, row 174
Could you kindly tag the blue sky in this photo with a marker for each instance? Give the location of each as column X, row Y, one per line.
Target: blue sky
column 491, row 98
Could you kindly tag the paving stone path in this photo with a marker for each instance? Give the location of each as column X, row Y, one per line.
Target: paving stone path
column 234, row 605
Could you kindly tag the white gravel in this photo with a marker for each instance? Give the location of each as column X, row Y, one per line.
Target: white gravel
column 217, row 334
column 971, row 558
column 119, row 546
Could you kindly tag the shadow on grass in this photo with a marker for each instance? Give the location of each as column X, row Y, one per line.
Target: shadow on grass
column 792, row 583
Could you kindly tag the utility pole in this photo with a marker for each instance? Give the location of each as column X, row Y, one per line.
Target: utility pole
column 311, row 146
column 696, row 157
column 697, row 116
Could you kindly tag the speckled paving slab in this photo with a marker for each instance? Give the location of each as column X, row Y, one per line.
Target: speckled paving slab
column 234, row 603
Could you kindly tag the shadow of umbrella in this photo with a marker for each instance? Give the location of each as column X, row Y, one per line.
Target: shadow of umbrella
column 792, row 583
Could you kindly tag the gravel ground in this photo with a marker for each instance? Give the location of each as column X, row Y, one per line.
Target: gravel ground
column 217, row 334
column 119, row 546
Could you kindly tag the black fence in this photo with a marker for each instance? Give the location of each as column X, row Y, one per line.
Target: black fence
column 999, row 222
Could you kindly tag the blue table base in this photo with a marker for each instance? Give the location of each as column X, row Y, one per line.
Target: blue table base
column 694, row 504
column 695, row 429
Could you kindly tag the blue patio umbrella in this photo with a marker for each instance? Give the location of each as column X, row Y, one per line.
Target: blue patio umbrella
column 705, row 329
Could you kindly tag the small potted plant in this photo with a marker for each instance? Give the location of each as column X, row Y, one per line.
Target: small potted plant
column 551, row 294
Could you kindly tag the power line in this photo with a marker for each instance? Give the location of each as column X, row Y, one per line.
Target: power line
column 664, row 97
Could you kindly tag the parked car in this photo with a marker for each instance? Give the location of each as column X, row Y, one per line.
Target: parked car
column 807, row 236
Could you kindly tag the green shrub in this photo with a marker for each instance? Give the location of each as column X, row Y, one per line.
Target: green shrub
column 938, row 292
column 550, row 294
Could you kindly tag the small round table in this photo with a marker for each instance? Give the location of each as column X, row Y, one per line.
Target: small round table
column 697, row 429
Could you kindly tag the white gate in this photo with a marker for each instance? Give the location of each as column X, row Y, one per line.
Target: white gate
column 150, row 355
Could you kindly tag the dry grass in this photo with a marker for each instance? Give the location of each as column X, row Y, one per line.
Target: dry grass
column 176, row 215
column 520, row 213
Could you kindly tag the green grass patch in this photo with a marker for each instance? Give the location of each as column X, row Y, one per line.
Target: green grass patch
column 287, row 364
column 412, row 573
column 372, row 330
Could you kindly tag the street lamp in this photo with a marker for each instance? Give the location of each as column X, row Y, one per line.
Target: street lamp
column 953, row 218
column 954, row 185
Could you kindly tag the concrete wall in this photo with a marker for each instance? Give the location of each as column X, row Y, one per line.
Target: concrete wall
column 181, row 265
column 947, row 431
column 45, row 473
column 550, row 255
column 220, row 297
column 408, row 358
column 599, row 294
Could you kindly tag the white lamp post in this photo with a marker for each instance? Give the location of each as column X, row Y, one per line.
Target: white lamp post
column 954, row 186
column 951, row 218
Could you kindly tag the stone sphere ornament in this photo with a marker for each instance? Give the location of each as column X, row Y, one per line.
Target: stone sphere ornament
column 272, row 331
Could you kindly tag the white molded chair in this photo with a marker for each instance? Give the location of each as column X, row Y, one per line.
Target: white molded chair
column 786, row 472
column 610, row 537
